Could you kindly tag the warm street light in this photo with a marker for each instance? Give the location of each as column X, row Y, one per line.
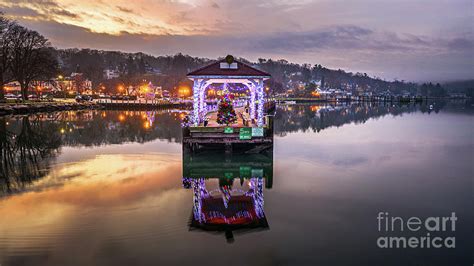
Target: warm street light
column 183, row 91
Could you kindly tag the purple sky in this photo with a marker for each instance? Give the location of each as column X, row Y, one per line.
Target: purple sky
column 413, row 40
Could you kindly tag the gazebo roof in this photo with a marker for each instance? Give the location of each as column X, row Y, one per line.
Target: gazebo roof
column 221, row 68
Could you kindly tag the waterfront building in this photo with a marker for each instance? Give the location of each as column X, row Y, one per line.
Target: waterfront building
column 111, row 73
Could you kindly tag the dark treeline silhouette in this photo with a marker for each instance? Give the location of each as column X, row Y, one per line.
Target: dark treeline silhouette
column 464, row 86
column 170, row 71
column 284, row 72
column 431, row 90
column 133, row 68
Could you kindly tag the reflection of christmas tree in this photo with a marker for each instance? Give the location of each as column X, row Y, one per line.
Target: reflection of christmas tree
column 226, row 190
column 226, row 113
column 225, row 185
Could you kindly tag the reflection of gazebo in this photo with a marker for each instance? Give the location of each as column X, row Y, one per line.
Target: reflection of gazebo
column 228, row 71
column 227, row 209
column 236, row 204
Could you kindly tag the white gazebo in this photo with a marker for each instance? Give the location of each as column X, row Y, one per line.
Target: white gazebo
column 228, row 71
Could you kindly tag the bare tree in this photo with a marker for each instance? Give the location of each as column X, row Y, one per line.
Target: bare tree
column 6, row 27
column 32, row 58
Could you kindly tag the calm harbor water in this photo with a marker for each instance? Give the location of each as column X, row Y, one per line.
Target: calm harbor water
column 114, row 188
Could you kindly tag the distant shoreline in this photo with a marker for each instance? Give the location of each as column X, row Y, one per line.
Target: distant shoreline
column 44, row 107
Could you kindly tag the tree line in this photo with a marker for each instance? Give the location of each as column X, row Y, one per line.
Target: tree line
column 25, row 56
column 431, row 90
column 172, row 69
column 134, row 69
column 283, row 73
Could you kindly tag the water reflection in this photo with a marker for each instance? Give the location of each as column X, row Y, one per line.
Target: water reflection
column 27, row 148
column 317, row 117
column 30, row 144
column 228, row 191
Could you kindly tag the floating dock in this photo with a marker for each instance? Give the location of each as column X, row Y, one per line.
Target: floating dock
column 231, row 139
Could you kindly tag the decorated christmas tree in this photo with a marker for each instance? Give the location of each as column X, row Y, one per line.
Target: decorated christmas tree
column 226, row 113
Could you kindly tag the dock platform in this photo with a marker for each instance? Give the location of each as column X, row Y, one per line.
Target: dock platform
column 248, row 139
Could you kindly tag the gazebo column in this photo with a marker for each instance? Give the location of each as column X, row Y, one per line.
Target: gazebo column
column 201, row 99
column 257, row 185
column 261, row 102
column 199, row 188
column 252, row 101
column 196, row 101
column 202, row 96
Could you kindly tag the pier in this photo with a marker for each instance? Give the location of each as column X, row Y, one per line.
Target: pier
column 141, row 105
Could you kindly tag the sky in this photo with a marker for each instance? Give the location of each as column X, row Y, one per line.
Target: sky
column 413, row 40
